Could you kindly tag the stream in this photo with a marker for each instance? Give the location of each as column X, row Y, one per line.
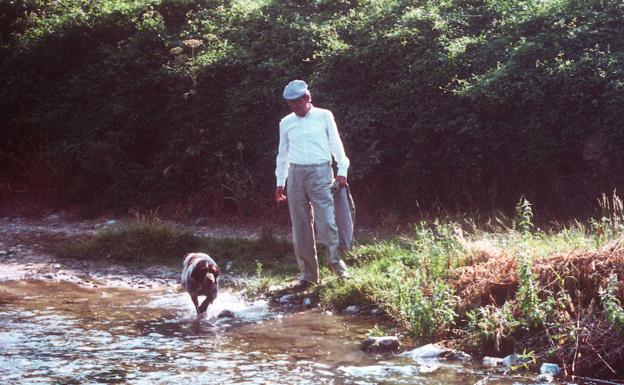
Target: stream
column 65, row 322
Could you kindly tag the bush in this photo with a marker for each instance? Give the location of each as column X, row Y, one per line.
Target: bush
column 458, row 104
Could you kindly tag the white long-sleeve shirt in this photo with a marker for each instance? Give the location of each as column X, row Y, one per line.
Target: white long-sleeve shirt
column 311, row 139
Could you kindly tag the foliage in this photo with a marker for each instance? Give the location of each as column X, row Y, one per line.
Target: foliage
column 376, row 331
column 492, row 323
column 529, row 302
column 612, row 304
column 456, row 104
column 524, row 215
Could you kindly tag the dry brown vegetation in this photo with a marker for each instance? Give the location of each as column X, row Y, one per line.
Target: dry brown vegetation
column 577, row 333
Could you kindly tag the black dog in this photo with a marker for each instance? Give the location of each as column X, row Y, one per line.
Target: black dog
column 200, row 277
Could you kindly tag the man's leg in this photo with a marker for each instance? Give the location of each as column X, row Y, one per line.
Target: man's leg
column 325, row 216
column 301, row 217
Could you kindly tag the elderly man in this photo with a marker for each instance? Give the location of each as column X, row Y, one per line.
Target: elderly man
column 308, row 138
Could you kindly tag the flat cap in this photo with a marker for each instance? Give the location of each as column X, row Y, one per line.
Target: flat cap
column 295, row 89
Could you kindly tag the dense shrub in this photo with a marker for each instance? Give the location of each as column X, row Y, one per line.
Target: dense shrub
column 459, row 104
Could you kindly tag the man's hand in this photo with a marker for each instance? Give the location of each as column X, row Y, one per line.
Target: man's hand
column 342, row 180
column 279, row 194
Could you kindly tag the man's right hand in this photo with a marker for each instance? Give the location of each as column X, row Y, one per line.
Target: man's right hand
column 279, row 194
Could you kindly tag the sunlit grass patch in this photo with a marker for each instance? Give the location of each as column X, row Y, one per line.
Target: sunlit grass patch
column 135, row 241
column 155, row 241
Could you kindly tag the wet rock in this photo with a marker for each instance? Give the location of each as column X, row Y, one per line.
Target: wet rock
column 53, row 218
column 492, row 361
column 226, row 314
column 545, row 378
column 111, row 222
column 381, row 344
column 286, row 298
column 513, row 360
column 3, row 253
column 552, row 369
column 307, row 302
column 429, row 351
column 352, row 310
column 456, row 355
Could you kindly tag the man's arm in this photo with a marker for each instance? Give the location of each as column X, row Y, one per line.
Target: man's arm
column 281, row 165
column 281, row 161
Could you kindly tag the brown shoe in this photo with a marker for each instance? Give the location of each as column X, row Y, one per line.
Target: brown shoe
column 301, row 285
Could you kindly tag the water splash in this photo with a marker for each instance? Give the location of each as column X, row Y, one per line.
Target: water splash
column 226, row 301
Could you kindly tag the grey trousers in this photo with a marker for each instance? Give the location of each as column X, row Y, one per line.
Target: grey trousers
column 311, row 204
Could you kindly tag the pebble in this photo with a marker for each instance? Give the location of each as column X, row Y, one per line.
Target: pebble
column 352, row 310
column 456, row 355
column 286, row 298
column 548, row 368
column 547, row 378
column 427, row 351
column 492, row 361
column 381, row 344
column 226, row 314
column 513, row 359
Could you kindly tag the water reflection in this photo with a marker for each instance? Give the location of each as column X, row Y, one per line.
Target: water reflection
column 61, row 333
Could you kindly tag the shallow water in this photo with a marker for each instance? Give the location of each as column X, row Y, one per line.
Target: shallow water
column 62, row 333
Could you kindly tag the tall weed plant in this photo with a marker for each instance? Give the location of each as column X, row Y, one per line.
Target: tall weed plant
column 611, row 303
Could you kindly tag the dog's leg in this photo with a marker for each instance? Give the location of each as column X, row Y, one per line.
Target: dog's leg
column 204, row 306
column 195, row 302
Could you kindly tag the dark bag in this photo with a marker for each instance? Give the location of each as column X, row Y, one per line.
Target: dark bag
column 345, row 215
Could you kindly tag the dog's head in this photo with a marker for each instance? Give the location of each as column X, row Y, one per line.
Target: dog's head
column 205, row 277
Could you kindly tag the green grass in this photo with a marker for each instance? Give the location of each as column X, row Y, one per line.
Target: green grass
column 155, row 241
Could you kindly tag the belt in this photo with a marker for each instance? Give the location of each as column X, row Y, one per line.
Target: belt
column 310, row 165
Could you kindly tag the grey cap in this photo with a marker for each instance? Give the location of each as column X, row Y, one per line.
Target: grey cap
column 295, row 89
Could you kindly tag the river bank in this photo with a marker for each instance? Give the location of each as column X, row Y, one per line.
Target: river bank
column 491, row 301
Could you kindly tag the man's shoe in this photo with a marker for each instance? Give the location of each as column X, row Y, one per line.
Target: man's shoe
column 301, row 285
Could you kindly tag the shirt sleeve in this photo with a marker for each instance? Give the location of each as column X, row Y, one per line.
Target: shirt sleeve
column 335, row 143
column 281, row 162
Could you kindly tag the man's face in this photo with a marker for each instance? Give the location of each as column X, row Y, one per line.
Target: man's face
column 300, row 106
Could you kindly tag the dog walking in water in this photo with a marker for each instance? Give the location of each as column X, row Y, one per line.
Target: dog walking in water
column 200, row 277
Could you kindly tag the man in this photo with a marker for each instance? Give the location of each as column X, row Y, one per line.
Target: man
column 308, row 138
